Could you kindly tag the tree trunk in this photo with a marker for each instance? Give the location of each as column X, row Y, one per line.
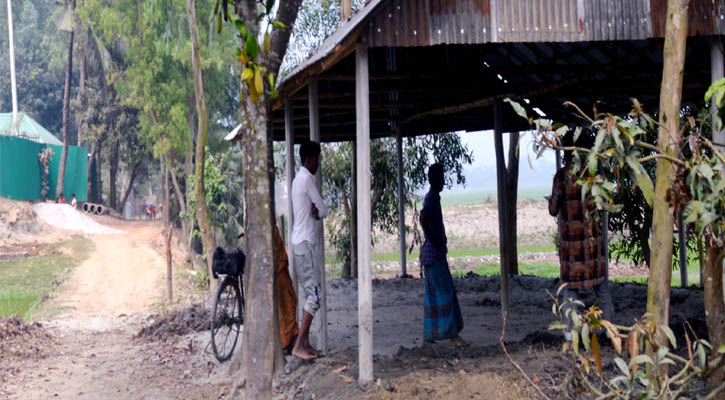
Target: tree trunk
column 660, row 273
column 113, row 196
column 203, row 125
column 88, row 171
column 345, row 9
column 715, row 306
column 182, row 204
column 261, row 357
column 167, row 236
column 66, row 114
column 81, row 89
column 511, row 194
column 128, row 189
column 99, row 182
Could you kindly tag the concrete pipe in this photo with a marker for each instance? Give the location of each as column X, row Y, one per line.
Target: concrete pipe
column 100, row 210
column 85, row 207
column 92, row 208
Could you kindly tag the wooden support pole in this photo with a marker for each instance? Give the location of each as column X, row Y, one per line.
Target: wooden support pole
column 605, row 239
column 682, row 242
column 289, row 130
column 353, row 223
column 501, row 190
column 365, row 288
column 320, row 322
column 717, row 71
column 401, row 206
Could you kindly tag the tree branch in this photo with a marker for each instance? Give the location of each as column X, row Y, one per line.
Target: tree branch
column 279, row 39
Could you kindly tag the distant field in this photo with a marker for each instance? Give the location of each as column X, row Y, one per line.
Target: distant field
column 468, row 197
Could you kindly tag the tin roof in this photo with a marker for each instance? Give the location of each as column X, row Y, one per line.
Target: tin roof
column 437, row 65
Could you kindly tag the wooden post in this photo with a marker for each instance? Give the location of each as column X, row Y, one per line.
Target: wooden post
column 557, row 155
column 353, row 228
column 682, row 242
column 321, row 321
column 401, row 206
column 605, row 239
column 717, row 71
column 501, row 190
column 289, row 136
column 365, row 289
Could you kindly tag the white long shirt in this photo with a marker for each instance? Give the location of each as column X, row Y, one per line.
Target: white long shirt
column 304, row 194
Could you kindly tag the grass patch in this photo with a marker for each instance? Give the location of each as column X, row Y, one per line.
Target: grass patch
column 543, row 270
column 387, row 257
column 24, row 284
column 693, row 277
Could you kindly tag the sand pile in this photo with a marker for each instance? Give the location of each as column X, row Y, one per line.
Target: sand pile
column 19, row 223
column 63, row 216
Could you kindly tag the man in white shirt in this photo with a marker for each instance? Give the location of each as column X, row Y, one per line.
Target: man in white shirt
column 308, row 207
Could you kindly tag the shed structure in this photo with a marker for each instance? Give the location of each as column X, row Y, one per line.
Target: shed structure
column 415, row 67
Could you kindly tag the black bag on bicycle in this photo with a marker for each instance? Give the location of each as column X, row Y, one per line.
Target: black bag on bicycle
column 225, row 263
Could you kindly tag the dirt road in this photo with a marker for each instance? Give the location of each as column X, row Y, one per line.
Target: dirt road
column 97, row 313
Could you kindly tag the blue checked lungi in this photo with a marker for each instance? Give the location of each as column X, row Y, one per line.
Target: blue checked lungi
column 442, row 317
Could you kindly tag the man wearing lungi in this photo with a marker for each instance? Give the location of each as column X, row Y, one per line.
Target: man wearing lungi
column 582, row 253
column 442, row 316
column 308, row 207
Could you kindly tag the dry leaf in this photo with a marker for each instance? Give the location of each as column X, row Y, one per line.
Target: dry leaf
column 347, row 379
column 597, row 353
column 462, row 372
column 337, row 371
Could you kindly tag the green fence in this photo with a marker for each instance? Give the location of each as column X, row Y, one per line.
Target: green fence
column 20, row 172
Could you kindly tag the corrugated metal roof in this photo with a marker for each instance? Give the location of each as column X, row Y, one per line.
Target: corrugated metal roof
column 420, row 23
column 405, row 23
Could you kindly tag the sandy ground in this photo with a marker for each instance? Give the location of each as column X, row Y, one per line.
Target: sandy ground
column 101, row 309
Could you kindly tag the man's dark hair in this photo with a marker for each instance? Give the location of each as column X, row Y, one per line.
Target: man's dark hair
column 73, row 195
column 309, row 149
column 435, row 173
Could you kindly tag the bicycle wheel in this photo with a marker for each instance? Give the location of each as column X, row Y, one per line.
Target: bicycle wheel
column 226, row 319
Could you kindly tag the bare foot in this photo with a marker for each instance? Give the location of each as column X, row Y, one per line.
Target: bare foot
column 303, row 354
column 312, row 350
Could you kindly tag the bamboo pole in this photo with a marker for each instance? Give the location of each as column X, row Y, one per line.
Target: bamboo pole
column 401, row 206
column 365, row 290
column 289, row 130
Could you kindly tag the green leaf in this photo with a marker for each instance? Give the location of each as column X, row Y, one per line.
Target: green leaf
column 670, row 335
column 622, row 366
column 278, row 25
column 240, row 25
column 642, row 358
column 252, row 47
column 521, row 111
column 721, row 348
column 646, row 186
column 575, row 340
column 586, row 340
column 557, row 325
column 717, row 85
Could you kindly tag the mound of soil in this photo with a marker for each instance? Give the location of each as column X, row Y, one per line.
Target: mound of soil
column 22, row 340
column 179, row 323
column 19, row 223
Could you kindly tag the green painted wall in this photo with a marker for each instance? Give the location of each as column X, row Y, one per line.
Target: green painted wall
column 20, row 173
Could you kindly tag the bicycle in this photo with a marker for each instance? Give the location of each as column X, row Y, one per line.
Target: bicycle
column 227, row 316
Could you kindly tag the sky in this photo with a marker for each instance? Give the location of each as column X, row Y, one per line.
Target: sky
column 481, row 175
